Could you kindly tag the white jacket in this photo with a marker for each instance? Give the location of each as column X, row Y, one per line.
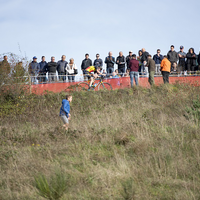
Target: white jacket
column 70, row 69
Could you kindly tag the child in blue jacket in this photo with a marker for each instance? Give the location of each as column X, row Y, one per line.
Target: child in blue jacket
column 65, row 111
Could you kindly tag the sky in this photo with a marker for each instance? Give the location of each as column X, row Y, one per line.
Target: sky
column 73, row 28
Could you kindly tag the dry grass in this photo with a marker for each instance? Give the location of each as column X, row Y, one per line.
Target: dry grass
column 123, row 144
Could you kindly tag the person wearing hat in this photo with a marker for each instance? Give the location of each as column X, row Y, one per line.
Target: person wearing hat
column 128, row 58
column 33, row 70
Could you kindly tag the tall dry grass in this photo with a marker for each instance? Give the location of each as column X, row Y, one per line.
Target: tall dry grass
column 124, row 144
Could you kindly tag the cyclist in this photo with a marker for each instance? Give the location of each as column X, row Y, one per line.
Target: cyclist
column 92, row 76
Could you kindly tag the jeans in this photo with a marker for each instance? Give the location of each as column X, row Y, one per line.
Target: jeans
column 135, row 75
column 71, row 78
column 42, row 77
column 110, row 70
column 158, row 68
column 61, row 76
column 121, row 71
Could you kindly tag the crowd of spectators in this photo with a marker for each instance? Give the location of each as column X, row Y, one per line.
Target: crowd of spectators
column 131, row 65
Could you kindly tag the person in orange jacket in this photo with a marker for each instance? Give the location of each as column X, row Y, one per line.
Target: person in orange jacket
column 165, row 67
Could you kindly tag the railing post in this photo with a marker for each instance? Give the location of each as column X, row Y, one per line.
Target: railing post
column 30, row 89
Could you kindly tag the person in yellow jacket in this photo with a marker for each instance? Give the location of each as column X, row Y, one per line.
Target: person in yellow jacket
column 165, row 67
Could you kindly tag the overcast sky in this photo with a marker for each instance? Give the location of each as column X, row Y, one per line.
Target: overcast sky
column 73, row 28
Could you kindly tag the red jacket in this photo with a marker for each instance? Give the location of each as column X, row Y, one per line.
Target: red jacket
column 134, row 65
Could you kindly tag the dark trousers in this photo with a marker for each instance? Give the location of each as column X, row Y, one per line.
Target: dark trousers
column 62, row 76
column 121, row 71
column 165, row 77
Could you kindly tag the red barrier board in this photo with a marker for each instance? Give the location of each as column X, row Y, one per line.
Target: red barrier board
column 117, row 83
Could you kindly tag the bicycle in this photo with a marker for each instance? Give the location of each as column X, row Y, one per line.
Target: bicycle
column 100, row 85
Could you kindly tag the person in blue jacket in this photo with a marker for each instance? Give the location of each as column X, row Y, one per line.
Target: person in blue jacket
column 65, row 111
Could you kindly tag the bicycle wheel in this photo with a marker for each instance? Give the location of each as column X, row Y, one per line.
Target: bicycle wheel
column 105, row 86
column 83, row 86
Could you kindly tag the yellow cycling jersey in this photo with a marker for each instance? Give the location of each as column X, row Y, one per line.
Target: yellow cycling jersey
column 91, row 69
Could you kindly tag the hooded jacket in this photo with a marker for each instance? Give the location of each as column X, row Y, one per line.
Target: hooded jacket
column 191, row 58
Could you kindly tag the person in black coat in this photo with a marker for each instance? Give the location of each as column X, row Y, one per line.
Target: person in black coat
column 191, row 61
column 52, row 68
column 198, row 60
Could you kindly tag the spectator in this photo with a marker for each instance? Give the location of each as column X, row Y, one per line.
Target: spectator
column 5, row 66
column 151, row 68
column 61, row 66
column 172, row 56
column 121, row 61
column 86, row 63
column 165, row 68
column 134, row 68
column 191, row 61
column 33, row 69
column 71, row 70
column 127, row 72
column 158, row 58
column 141, row 67
column 43, row 70
column 181, row 63
column 110, row 61
column 144, row 59
column 115, row 75
column 98, row 62
column 198, row 60
column 128, row 58
column 18, row 73
column 104, row 72
column 52, row 66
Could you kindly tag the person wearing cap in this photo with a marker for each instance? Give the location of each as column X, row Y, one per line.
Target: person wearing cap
column 121, row 61
column 172, row 56
column 128, row 58
column 34, row 69
column 158, row 58
column 181, row 63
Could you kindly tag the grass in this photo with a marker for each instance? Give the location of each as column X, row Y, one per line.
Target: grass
column 124, row 144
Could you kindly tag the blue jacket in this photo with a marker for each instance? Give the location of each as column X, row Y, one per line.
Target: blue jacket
column 98, row 63
column 43, row 67
column 157, row 58
column 65, row 108
column 34, row 68
column 61, row 66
